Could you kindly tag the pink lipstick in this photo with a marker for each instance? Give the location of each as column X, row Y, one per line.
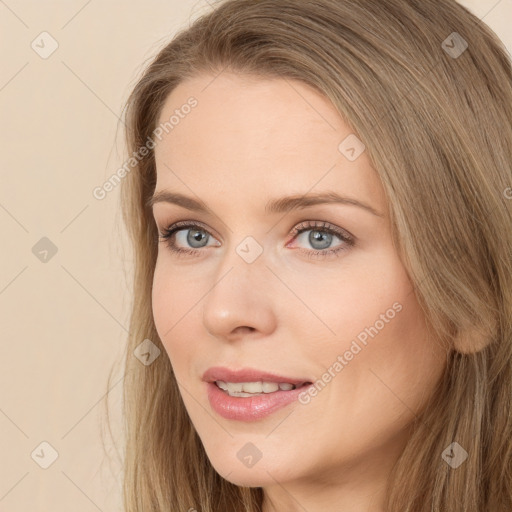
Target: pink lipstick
column 270, row 392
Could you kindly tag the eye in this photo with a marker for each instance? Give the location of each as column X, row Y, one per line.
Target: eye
column 188, row 238
column 184, row 233
column 321, row 235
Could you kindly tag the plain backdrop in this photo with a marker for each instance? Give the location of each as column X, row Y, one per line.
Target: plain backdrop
column 65, row 270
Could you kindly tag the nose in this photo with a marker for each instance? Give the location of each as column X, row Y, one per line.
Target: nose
column 241, row 300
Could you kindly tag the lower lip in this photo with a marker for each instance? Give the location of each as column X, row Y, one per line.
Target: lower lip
column 250, row 408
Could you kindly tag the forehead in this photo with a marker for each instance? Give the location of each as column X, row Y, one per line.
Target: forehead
column 257, row 135
column 275, row 110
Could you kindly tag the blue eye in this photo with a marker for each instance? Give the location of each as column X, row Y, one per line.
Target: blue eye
column 197, row 237
column 321, row 235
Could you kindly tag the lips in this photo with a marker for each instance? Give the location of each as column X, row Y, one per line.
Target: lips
column 249, row 375
column 245, row 407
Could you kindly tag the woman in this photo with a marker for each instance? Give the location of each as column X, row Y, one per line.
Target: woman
column 320, row 209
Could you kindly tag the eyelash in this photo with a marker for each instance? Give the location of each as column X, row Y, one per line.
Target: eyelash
column 167, row 236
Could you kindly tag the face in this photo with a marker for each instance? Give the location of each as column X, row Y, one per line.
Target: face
column 306, row 290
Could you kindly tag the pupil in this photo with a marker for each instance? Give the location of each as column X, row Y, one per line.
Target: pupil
column 317, row 236
column 195, row 236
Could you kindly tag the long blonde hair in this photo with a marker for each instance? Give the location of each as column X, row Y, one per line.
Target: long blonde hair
column 436, row 119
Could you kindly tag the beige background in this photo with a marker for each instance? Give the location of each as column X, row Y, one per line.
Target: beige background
column 63, row 321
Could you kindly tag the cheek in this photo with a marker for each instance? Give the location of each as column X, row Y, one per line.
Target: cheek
column 388, row 365
column 378, row 329
column 162, row 301
column 174, row 294
column 365, row 294
column 173, row 301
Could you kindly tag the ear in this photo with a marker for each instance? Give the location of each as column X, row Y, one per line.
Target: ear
column 473, row 339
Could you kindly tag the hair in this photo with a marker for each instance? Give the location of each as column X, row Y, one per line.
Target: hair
column 438, row 130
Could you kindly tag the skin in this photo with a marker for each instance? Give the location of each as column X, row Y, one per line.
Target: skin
column 249, row 140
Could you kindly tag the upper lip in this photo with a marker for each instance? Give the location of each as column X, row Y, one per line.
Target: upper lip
column 247, row 375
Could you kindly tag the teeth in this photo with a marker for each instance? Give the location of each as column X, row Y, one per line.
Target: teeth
column 253, row 388
column 269, row 387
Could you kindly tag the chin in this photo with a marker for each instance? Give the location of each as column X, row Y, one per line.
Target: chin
column 249, row 477
column 246, row 473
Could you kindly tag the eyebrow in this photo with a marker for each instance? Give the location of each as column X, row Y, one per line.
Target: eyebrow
column 281, row 205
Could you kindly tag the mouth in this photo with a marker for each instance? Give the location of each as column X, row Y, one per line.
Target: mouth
column 249, row 377
column 256, row 388
column 248, row 394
